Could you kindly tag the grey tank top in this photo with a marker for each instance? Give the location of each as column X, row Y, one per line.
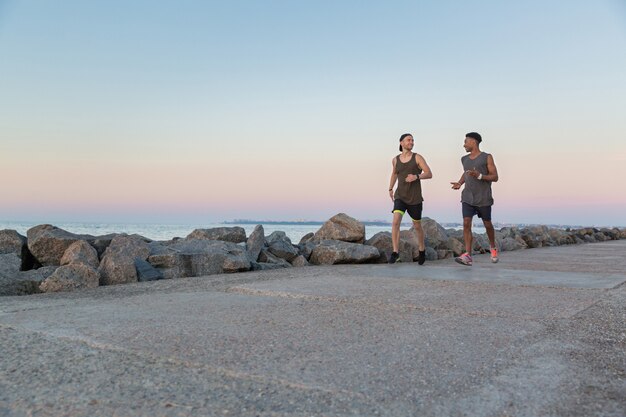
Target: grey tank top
column 409, row 192
column 476, row 192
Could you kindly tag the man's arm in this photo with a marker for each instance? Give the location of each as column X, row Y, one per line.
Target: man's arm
column 393, row 179
column 491, row 169
column 426, row 172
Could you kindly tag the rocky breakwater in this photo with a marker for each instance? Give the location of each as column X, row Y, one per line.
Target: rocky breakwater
column 50, row 259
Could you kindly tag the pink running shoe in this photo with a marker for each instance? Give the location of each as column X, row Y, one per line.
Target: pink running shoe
column 465, row 259
column 494, row 255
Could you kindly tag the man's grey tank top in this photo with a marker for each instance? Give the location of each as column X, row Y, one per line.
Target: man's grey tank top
column 476, row 192
column 409, row 192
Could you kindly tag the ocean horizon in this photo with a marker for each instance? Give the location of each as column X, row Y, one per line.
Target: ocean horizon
column 163, row 231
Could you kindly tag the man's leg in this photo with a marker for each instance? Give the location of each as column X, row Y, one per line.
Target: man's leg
column 395, row 235
column 467, row 234
column 491, row 234
column 417, row 226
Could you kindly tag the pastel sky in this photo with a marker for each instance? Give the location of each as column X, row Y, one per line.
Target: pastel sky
column 187, row 111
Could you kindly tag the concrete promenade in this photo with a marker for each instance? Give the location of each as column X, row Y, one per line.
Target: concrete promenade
column 542, row 333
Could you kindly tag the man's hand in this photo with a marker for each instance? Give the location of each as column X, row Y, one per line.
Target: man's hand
column 410, row 178
column 391, row 194
column 455, row 185
column 473, row 173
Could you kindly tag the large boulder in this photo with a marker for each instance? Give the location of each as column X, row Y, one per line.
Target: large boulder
column 382, row 242
column 480, row 243
column 48, row 243
column 81, row 252
column 306, row 248
column 536, row 236
column 509, row 244
column 193, row 257
column 12, row 242
column 146, row 272
column 622, row 233
column 280, row 245
column 10, row 264
column 408, row 237
column 24, row 282
column 299, row 261
column 307, row 238
column 255, row 242
column 341, row 227
column 456, row 246
column 227, row 234
column 436, row 236
column 71, row 277
column 330, row 252
column 267, row 257
column 118, row 261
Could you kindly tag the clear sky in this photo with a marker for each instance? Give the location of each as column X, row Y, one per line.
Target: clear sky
column 187, row 111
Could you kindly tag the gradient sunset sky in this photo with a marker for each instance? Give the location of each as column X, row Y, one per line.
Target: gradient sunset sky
column 192, row 111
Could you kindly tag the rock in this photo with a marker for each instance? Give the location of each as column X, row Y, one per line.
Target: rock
column 71, row 277
column 431, row 254
column 280, row 245
column 101, row 243
column 300, row 261
column 382, row 242
column 48, row 243
column 341, row 227
column 81, row 252
column 10, row 264
column 408, row 237
column 25, row 282
column 146, row 272
column 434, row 233
column 589, row 238
column 268, row 257
column 262, row 266
column 255, row 243
column 509, row 244
column 330, row 252
column 480, row 244
column 227, row 234
column 455, row 246
column 118, row 261
column 600, row 237
column 307, row 238
column 622, row 233
column 306, row 249
column 443, row 253
column 12, row 242
column 611, row 234
column 536, row 236
column 193, row 258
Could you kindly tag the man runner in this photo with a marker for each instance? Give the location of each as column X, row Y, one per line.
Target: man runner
column 479, row 171
column 408, row 169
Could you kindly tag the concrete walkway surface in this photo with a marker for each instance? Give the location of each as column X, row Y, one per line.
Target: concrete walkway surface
column 542, row 333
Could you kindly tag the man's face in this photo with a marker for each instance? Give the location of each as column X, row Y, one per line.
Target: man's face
column 469, row 144
column 407, row 143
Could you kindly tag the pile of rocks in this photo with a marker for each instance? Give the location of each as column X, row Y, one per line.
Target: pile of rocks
column 50, row 259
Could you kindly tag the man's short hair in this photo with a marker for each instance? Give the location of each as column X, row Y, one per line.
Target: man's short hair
column 475, row 136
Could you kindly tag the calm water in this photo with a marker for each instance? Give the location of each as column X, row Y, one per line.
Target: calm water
column 169, row 231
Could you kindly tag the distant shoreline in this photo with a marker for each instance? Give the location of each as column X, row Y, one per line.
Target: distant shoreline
column 383, row 223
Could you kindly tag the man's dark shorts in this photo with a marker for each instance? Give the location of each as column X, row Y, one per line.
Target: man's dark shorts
column 482, row 212
column 415, row 211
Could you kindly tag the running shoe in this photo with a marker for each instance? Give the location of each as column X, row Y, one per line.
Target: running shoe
column 465, row 259
column 395, row 257
column 421, row 257
column 494, row 255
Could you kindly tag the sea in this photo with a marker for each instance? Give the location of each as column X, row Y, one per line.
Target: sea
column 162, row 231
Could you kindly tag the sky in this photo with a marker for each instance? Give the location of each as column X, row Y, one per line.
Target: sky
column 204, row 111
